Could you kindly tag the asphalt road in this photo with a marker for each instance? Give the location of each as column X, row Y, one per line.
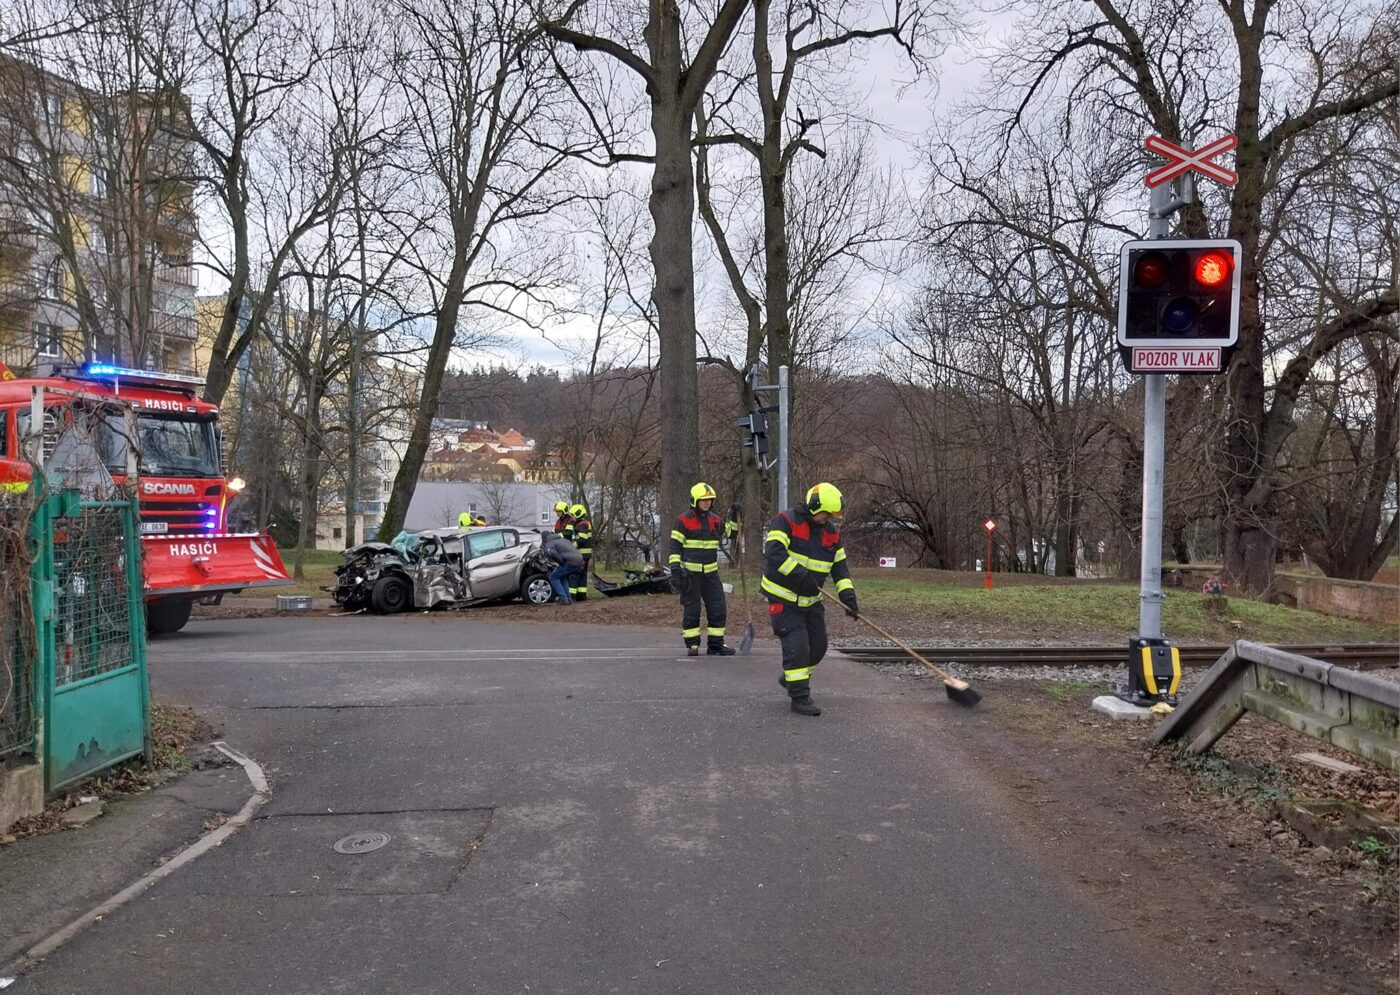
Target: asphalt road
column 582, row 809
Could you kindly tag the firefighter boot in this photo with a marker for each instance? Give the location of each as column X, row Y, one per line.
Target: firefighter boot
column 692, row 651
column 805, row 706
column 719, row 649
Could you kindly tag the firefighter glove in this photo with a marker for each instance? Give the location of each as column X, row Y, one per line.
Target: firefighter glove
column 680, row 576
column 848, row 598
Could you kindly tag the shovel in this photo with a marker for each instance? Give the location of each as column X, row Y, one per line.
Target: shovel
column 746, row 643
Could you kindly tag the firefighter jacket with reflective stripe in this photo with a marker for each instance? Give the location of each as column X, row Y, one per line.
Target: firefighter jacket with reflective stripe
column 564, row 526
column 695, row 541
column 798, row 554
column 583, row 535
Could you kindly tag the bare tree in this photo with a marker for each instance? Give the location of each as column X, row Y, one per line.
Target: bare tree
column 490, row 126
column 1294, row 69
column 674, row 86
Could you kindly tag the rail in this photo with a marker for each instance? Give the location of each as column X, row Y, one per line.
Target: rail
column 1358, row 712
column 1360, row 656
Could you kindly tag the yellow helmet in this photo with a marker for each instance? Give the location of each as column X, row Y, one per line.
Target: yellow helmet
column 701, row 492
column 578, row 511
column 561, row 507
column 824, row 497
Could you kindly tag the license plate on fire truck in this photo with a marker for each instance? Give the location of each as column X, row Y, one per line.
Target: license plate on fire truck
column 149, row 528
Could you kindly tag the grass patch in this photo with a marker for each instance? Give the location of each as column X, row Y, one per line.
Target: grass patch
column 1218, row 776
column 1110, row 607
column 1067, row 691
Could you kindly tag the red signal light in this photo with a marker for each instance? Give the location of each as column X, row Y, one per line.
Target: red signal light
column 1151, row 270
column 1212, row 269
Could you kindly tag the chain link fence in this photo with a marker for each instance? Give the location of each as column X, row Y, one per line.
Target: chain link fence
column 92, row 600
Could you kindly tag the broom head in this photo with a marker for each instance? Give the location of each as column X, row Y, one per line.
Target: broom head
column 961, row 692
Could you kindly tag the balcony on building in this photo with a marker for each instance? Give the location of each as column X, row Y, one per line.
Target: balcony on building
column 176, row 273
column 17, row 238
column 19, row 291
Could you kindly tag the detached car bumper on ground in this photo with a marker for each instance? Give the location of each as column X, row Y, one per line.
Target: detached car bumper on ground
column 447, row 567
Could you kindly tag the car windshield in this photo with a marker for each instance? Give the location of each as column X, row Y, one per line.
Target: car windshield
column 177, row 447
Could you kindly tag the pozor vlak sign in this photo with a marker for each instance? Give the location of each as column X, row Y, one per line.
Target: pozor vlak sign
column 1179, row 304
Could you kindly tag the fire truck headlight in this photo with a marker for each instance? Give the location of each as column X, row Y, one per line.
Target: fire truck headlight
column 237, row 484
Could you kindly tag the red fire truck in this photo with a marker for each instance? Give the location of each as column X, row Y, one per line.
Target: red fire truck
column 189, row 554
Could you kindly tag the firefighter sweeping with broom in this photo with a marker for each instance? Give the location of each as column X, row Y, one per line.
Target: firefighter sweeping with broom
column 694, row 564
column 801, row 548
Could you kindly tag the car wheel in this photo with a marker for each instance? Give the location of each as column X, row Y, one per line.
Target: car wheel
column 536, row 590
column 391, row 595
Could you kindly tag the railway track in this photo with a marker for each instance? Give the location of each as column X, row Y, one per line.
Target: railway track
column 1361, row 656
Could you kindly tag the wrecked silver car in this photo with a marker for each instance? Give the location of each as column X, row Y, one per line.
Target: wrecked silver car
column 448, row 567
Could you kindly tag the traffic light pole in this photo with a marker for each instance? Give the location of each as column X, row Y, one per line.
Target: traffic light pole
column 783, row 436
column 781, row 387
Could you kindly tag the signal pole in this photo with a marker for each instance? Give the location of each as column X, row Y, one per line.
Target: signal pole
column 1154, row 447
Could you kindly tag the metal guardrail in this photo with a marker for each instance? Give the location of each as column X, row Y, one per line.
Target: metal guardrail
column 1357, row 712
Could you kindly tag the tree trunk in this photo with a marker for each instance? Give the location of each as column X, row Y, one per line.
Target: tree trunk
column 444, row 333
column 672, row 205
column 772, row 176
column 310, row 479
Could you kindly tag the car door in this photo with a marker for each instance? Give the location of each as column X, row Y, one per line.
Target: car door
column 494, row 562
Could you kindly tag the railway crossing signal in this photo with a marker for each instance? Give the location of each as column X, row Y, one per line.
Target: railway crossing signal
column 1179, row 304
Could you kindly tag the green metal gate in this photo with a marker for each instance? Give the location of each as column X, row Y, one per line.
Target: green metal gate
column 90, row 615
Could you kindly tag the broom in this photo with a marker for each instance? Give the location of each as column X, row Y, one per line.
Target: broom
column 737, row 543
column 959, row 691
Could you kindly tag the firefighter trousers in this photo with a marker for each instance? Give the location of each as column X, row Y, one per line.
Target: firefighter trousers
column 578, row 582
column 707, row 588
column 802, row 633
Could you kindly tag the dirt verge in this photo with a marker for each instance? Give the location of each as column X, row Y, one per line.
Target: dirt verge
column 1188, row 853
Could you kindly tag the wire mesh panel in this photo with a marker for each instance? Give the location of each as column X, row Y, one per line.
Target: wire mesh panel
column 93, row 694
column 92, row 599
column 18, row 643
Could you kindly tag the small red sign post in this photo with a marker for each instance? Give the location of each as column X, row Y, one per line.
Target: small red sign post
column 991, row 527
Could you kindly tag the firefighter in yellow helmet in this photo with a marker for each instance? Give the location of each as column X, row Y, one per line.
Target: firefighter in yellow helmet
column 563, row 524
column 583, row 539
column 802, row 547
column 694, row 564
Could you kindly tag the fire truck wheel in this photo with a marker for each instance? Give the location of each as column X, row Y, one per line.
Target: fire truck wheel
column 391, row 594
column 166, row 617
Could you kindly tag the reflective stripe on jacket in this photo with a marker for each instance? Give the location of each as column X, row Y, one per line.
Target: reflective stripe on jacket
column 695, row 541
column 797, row 556
column 564, row 526
column 583, row 535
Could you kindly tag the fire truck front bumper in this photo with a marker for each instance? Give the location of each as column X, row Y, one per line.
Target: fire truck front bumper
column 207, row 565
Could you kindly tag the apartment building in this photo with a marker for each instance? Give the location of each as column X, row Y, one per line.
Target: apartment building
column 97, row 225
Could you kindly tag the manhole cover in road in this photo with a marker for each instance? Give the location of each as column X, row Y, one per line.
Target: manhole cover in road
column 361, row 842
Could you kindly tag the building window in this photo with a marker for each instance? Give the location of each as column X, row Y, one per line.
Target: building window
column 48, row 341
column 99, row 181
column 55, row 281
column 51, row 108
column 337, row 534
column 97, row 239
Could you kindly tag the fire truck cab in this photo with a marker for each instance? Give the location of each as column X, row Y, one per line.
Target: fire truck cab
column 189, row 555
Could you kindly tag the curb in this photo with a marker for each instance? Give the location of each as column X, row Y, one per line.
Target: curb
column 201, row 846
